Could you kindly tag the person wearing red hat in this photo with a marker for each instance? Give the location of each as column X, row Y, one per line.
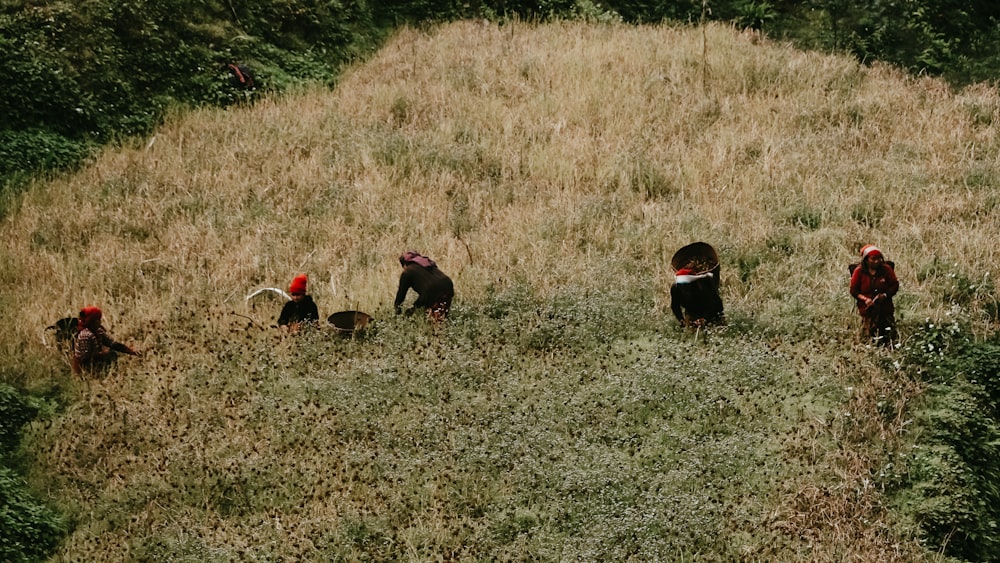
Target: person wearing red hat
column 694, row 298
column 873, row 285
column 301, row 308
column 92, row 347
column 434, row 289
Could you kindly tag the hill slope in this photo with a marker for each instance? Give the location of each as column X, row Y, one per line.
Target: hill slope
column 552, row 171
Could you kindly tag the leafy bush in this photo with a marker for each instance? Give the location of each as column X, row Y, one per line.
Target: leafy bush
column 36, row 150
column 948, row 481
column 15, row 412
column 77, row 74
column 28, row 530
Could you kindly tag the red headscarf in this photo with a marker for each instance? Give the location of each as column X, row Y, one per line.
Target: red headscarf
column 870, row 250
column 90, row 317
column 298, row 284
column 414, row 257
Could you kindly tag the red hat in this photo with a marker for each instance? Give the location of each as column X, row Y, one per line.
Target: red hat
column 298, row 285
column 870, row 250
column 90, row 317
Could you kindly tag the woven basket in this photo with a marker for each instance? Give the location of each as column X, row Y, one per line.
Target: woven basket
column 350, row 322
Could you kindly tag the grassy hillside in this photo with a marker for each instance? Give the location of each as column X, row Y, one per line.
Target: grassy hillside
column 561, row 414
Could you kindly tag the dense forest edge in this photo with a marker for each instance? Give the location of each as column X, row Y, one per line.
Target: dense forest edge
column 82, row 77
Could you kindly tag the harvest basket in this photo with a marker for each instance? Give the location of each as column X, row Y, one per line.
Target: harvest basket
column 699, row 257
column 347, row 323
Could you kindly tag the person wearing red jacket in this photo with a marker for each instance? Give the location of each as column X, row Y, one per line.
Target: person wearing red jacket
column 873, row 285
column 92, row 347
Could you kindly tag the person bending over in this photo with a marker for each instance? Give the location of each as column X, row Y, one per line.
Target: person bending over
column 92, row 347
column 434, row 289
column 694, row 299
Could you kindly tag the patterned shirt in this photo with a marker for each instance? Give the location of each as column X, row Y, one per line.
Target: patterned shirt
column 90, row 344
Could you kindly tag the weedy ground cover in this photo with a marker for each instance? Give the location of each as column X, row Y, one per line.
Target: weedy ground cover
column 552, row 171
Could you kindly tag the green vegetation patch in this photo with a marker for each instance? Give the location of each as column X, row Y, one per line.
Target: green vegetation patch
column 946, row 482
column 516, row 435
column 29, row 530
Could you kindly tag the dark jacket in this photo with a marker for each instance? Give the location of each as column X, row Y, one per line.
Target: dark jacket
column 298, row 311
column 696, row 300
column 241, row 77
column 431, row 285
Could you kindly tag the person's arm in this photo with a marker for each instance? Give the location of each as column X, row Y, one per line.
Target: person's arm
column 286, row 314
column 123, row 348
column 716, row 299
column 859, row 289
column 857, row 286
column 856, row 283
column 404, row 286
column 892, row 282
column 107, row 342
column 675, row 303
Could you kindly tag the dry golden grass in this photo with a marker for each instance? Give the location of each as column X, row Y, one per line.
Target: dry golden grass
column 564, row 156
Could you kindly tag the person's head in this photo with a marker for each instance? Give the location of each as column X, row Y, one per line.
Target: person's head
column 90, row 318
column 871, row 255
column 297, row 288
column 413, row 257
column 407, row 257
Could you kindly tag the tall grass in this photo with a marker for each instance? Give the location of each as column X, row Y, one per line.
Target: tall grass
column 552, row 171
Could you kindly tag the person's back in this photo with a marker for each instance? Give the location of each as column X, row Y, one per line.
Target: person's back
column 297, row 311
column 93, row 348
column 428, row 283
column 434, row 289
column 241, row 76
column 694, row 298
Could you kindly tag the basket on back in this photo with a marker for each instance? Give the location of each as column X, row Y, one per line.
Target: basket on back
column 699, row 257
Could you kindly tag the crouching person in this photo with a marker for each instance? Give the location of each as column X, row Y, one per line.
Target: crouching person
column 434, row 289
column 694, row 298
column 93, row 349
column 301, row 309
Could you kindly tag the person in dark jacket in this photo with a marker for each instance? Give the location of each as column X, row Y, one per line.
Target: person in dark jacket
column 873, row 285
column 434, row 289
column 694, row 298
column 241, row 76
column 301, row 309
column 92, row 347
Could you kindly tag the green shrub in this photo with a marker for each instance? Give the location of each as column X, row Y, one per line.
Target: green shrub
column 15, row 412
column 28, row 530
column 947, row 480
column 36, row 150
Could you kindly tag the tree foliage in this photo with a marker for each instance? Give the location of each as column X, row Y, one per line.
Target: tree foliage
column 78, row 75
